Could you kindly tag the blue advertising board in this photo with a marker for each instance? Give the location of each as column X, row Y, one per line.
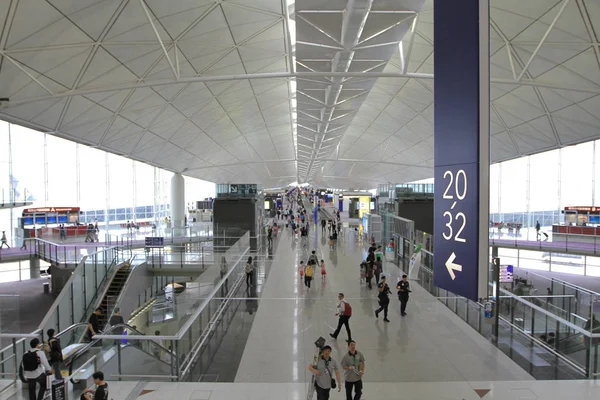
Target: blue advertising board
column 461, row 150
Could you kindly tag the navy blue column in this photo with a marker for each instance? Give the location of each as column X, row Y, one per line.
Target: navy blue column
column 461, row 208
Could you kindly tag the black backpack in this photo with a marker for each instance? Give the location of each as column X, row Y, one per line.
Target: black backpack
column 31, row 361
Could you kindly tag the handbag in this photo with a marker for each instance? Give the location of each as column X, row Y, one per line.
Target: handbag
column 333, row 384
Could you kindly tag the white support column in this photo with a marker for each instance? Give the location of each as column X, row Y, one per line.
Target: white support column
column 559, row 191
column 177, row 201
column 594, row 174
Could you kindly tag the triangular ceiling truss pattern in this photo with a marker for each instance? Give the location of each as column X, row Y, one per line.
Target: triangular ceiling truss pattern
column 269, row 91
column 85, row 69
column 545, row 68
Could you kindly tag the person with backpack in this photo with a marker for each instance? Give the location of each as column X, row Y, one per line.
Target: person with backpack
column 35, row 368
column 249, row 271
column 54, row 353
column 308, row 274
column 313, row 257
column 344, row 312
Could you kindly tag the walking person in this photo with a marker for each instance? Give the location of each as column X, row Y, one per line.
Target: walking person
column 353, row 364
column 325, row 370
column 403, row 291
column 270, row 236
column 223, row 269
column 249, row 271
column 55, row 356
column 35, row 368
column 368, row 274
column 537, row 230
column 384, row 299
column 344, row 312
column 301, row 269
column 323, row 270
column 4, row 241
column 308, row 274
column 313, row 257
column 377, row 266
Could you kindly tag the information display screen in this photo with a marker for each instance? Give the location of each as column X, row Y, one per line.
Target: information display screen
column 154, row 241
column 28, row 221
column 40, row 220
column 51, row 219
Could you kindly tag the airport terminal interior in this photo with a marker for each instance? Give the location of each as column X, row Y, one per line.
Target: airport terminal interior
column 292, row 199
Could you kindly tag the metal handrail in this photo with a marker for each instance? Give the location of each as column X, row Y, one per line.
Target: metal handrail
column 544, row 345
column 572, row 285
column 192, row 318
column 207, row 332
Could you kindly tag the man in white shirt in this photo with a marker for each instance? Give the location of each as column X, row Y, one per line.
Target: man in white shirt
column 344, row 318
column 35, row 368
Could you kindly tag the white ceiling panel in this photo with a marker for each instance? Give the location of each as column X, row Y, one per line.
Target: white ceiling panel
column 170, row 86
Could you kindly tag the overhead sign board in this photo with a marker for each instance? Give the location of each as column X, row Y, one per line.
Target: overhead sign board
column 154, row 241
column 461, row 149
column 582, row 209
column 51, row 209
column 506, row 274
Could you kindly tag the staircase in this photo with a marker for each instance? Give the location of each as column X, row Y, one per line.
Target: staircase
column 112, row 294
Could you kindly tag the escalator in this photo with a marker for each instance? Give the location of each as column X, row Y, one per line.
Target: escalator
column 124, row 358
column 112, row 293
column 571, row 344
column 116, row 358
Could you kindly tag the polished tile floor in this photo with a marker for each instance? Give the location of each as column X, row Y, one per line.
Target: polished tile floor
column 430, row 344
column 429, row 354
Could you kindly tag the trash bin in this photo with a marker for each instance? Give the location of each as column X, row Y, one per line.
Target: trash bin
column 46, row 288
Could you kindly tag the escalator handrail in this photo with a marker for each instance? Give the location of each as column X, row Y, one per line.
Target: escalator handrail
column 91, row 344
column 109, row 329
column 70, row 328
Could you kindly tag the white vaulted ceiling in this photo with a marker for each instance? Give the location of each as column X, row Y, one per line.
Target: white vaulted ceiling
column 234, row 91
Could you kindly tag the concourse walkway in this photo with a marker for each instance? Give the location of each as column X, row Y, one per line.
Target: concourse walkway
column 429, row 354
column 430, row 344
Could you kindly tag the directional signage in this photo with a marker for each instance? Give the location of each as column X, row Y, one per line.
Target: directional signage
column 461, row 149
column 154, row 241
column 506, row 274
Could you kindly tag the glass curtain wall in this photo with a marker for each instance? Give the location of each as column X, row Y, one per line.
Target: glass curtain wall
column 109, row 189
column 537, row 187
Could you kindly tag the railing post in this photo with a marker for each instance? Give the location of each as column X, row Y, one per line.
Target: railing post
column 15, row 361
column 119, row 359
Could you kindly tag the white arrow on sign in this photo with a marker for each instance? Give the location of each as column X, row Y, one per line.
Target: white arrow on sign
column 452, row 266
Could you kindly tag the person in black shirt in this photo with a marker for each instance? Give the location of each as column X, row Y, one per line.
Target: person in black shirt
column 55, row 354
column 384, row 300
column 116, row 319
column 403, row 291
column 93, row 323
column 101, row 391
